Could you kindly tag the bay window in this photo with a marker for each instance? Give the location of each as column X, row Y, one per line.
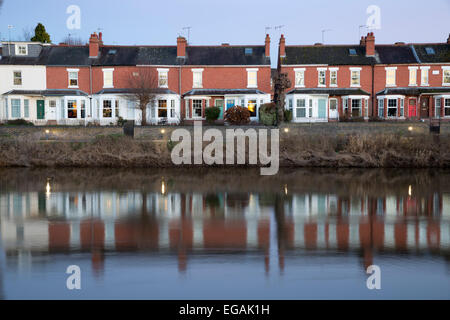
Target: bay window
column 107, row 109
column 251, row 106
column 196, row 108
column 392, row 108
column 82, row 109
column 72, row 109
column 172, row 108
column 356, row 108
column 447, row 107
column 301, row 108
column 162, row 108
column 381, row 108
column 15, row 108
column 437, row 107
column 26, row 108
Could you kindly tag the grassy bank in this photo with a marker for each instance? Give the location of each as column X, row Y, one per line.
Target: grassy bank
column 297, row 149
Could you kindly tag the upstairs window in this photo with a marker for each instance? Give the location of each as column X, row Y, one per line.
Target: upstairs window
column 300, row 77
column 413, row 76
column 73, row 78
column 333, row 78
column 252, row 78
column 446, row 77
column 429, row 50
column 21, row 49
column 322, row 79
column 197, row 78
column 108, row 80
column 390, row 76
column 17, row 78
column 355, row 77
column 424, row 76
column 163, row 78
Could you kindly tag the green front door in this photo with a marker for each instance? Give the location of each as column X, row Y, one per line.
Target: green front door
column 322, row 108
column 40, row 109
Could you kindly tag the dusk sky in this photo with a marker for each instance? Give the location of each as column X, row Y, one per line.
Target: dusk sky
column 232, row 21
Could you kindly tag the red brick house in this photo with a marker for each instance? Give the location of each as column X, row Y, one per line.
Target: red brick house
column 332, row 82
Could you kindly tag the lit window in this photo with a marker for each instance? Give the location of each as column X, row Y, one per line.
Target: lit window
column 108, row 78
column 322, row 80
column 300, row 78
column 252, row 78
column 73, row 78
column 390, row 76
column 72, row 109
column 17, row 78
column 162, row 108
column 198, row 78
column 163, row 78
column 413, row 76
column 107, row 109
column 251, row 106
column 356, row 78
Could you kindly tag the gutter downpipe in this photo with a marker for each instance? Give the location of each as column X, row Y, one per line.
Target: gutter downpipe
column 90, row 94
column 373, row 90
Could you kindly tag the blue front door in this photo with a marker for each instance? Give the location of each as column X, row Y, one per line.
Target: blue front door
column 230, row 104
column 322, row 108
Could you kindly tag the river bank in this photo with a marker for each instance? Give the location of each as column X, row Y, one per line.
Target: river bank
column 343, row 145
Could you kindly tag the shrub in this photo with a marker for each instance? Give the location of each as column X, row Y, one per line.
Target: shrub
column 19, row 122
column 212, row 114
column 287, row 115
column 237, row 115
column 121, row 121
column 268, row 114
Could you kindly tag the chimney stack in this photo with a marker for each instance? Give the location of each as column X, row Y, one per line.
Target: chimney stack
column 93, row 45
column 370, row 45
column 267, row 45
column 282, row 46
column 181, row 47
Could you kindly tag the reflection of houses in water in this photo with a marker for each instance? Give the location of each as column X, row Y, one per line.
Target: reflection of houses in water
column 130, row 221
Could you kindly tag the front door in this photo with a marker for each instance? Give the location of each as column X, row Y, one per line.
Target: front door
column 424, row 105
column 412, row 108
column 322, row 108
column 40, row 106
column 219, row 104
column 333, row 109
column 230, row 103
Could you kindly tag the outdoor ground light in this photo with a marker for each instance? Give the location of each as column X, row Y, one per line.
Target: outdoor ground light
column 286, row 130
column 410, row 128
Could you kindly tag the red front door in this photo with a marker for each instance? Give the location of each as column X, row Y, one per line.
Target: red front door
column 412, row 108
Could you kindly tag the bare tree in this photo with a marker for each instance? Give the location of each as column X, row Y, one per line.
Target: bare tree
column 143, row 87
column 73, row 41
column 27, row 34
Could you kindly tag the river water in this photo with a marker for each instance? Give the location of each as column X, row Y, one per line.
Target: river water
column 224, row 234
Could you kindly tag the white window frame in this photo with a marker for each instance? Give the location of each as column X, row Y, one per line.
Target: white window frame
column 200, row 83
column 250, row 72
column 193, row 114
column 358, row 70
column 105, row 72
column 446, row 106
column 424, row 71
column 69, row 71
column 391, row 69
column 335, row 71
column 319, row 71
column 411, row 71
column 18, row 47
column 444, row 70
column 14, row 78
column 396, row 108
column 299, row 75
column 163, row 75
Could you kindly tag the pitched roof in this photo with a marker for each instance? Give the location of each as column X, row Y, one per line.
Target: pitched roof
column 130, row 91
column 395, row 54
column 329, row 55
column 441, row 52
column 47, row 93
column 226, row 55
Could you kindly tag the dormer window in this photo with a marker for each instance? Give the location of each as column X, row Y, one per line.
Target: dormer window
column 21, row 50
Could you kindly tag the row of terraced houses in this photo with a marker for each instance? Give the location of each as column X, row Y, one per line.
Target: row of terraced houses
column 75, row 85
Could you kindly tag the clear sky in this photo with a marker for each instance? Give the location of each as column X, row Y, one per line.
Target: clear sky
column 231, row 21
